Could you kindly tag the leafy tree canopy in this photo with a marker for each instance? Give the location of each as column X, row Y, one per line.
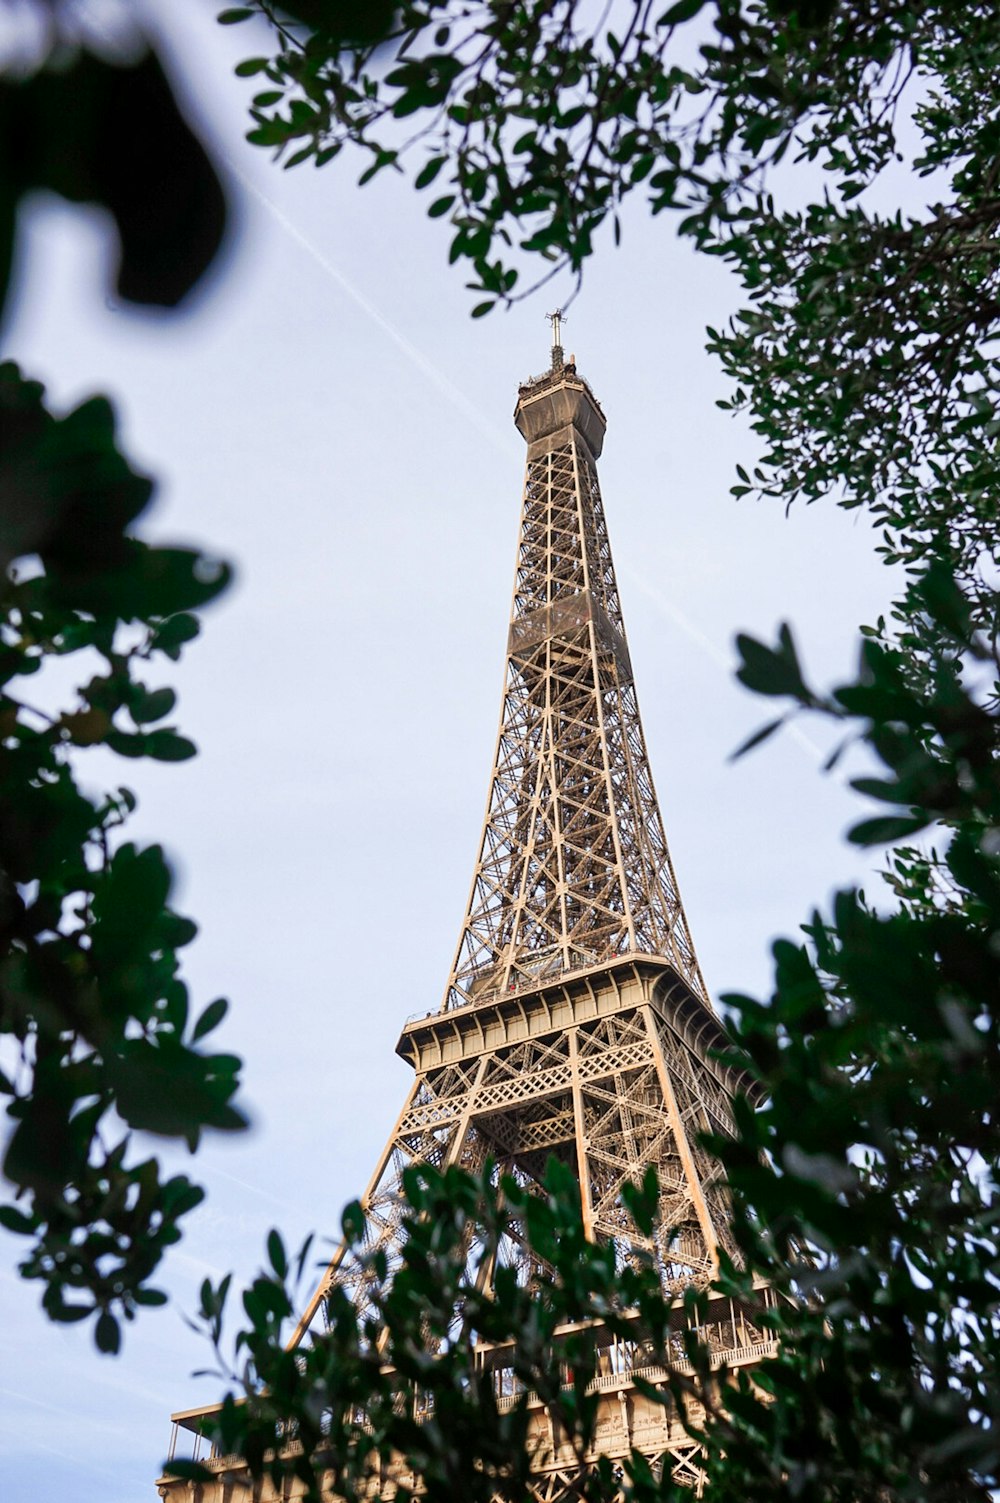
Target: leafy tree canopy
column 100, row 1038
column 863, row 354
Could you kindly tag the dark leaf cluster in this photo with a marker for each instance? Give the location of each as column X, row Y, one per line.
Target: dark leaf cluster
column 398, row 1386
column 90, row 995
column 99, row 1036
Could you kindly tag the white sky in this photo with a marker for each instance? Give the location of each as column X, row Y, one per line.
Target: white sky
column 330, row 418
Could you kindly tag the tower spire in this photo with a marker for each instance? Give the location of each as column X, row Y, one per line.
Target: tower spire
column 573, row 867
column 556, row 320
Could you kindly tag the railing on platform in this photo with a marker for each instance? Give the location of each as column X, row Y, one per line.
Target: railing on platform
column 737, row 1356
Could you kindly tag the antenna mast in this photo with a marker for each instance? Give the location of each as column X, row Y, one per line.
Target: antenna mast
column 556, row 320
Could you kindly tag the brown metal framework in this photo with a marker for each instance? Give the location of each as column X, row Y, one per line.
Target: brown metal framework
column 575, row 1021
column 573, row 866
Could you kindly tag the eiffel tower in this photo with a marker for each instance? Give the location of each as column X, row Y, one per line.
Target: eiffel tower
column 575, row 1021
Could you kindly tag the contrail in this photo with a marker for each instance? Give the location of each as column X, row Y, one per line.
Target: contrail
column 76, row 1457
column 666, row 608
column 214, row 1172
column 437, row 377
column 710, row 649
column 478, row 419
column 443, row 383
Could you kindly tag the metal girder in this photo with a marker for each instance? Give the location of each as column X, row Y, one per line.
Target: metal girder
column 613, row 1095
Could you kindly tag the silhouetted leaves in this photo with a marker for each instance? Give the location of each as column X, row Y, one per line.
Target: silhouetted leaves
column 769, row 670
column 90, row 994
column 112, row 134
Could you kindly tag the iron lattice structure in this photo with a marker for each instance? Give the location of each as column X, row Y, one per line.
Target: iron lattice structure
column 575, row 1021
column 573, row 866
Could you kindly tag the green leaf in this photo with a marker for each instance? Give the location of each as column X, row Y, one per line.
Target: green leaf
column 210, row 1019
column 769, row 670
column 169, row 1089
column 353, row 1222
column 95, row 120
column 881, row 788
column 128, row 900
column 945, row 600
column 761, row 734
column 126, row 744
column 177, row 931
column 167, row 746
column 684, row 10
column 150, row 1298
column 888, row 827
column 149, row 705
column 429, row 172
column 235, row 14
column 18, row 1221
column 171, row 634
column 107, row 1333
column 298, row 157
column 276, row 1253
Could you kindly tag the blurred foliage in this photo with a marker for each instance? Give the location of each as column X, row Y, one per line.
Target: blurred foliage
column 111, row 134
column 98, row 1040
column 865, row 356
